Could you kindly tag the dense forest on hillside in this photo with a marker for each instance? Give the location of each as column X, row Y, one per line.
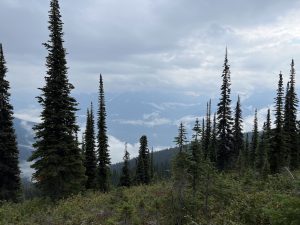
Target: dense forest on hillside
column 221, row 175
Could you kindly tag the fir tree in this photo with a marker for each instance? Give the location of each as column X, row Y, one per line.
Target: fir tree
column 238, row 137
column 246, row 154
column 254, row 141
column 180, row 171
column 181, row 139
column 143, row 164
column 195, row 154
column 290, row 123
column 152, row 164
column 9, row 153
column 58, row 165
column 225, row 121
column 261, row 156
column 268, row 136
column 213, row 142
column 90, row 160
column 103, row 153
column 207, row 133
column 278, row 143
column 125, row 180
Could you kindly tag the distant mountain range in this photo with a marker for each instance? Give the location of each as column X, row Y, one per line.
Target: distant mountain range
column 25, row 138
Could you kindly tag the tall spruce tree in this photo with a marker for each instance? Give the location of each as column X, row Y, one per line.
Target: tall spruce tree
column 181, row 139
column 261, row 155
column 225, row 121
column 180, row 171
column 151, row 164
column 143, row 164
column 268, row 136
column 90, row 160
column 246, row 152
column 196, row 154
column 9, row 153
column 278, row 143
column 103, row 153
column 207, row 133
column 290, row 123
column 254, row 141
column 238, row 137
column 213, row 142
column 57, row 160
column 125, row 180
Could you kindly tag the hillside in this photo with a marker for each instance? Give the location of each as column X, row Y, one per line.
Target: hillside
column 231, row 200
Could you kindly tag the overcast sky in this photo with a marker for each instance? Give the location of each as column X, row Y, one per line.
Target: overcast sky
column 161, row 59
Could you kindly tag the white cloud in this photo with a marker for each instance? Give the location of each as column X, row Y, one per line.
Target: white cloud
column 26, row 170
column 261, row 118
column 28, row 114
column 117, row 149
column 149, row 120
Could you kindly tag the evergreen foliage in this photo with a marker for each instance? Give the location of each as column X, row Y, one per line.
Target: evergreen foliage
column 213, row 142
column 181, row 139
column 196, row 154
column 246, row 152
column 143, row 163
column 254, row 141
column 277, row 159
column 9, row 153
column 103, row 153
column 57, row 161
column 225, row 121
column 290, row 122
column 207, row 132
column 125, row 180
column 261, row 155
column 238, row 137
column 90, row 160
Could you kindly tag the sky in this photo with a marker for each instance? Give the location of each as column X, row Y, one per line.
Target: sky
column 161, row 60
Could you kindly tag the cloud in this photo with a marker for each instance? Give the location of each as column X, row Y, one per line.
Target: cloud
column 154, row 47
column 171, row 105
column 26, row 170
column 29, row 114
column 261, row 118
column 117, row 149
column 149, row 120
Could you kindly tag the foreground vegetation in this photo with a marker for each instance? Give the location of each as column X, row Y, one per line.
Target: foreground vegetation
column 231, row 200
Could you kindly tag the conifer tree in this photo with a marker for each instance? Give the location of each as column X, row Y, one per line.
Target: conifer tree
column 278, row 143
column 143, row 164
column 59, row 170
column 90, row 160
column 207, row 132
column 180, row 171
column 246, row 152
column 261, row 156
column 103, row 153
column 225, row 121
column 125, row 180
column 290, row 123
column 238, row 137
column 213, row 142
column 181, row 139
column 151, row 164
column 196, row 155
column 268, row 136
column 9, row 153
column 254, row 141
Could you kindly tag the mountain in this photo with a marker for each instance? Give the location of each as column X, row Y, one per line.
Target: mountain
column 25, row 138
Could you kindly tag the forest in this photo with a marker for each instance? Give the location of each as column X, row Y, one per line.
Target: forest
column 222, row 175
